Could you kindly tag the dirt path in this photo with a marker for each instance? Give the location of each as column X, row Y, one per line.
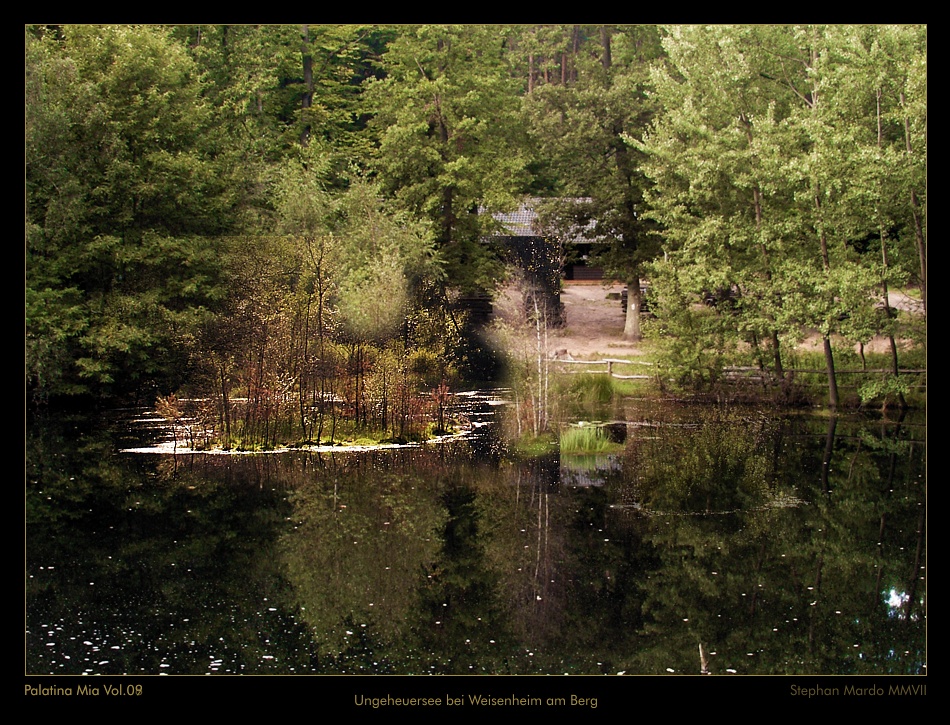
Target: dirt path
column 594, row 322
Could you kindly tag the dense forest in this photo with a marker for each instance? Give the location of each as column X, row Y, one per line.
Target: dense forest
column 288, row 215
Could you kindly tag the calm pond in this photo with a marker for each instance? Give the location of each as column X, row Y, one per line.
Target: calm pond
column 728, row 540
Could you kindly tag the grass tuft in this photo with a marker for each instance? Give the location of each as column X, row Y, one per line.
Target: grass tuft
column 584, row 440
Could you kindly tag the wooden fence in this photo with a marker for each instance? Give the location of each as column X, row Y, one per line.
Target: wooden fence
column 608, row 367
column 730, row 374
column 755, row 375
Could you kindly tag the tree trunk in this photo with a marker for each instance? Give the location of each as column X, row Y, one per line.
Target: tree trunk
column 448, row 216
column 895, row 369
column 605, row 58
column 575, row 49
column 757, row 206
column 631, row 327
column 830, row 366
column 826, row 339
column 308, row 83
column 919, row 237
column 226, row 408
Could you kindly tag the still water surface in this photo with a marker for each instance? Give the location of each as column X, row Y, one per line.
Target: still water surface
column 721, row 540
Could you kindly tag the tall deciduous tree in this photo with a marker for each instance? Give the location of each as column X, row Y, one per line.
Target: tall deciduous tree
column 383, row 258
column 714, row 148
column 766, row 157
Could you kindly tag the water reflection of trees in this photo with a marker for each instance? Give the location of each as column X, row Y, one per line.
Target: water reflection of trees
column 140, row 566
column 358, row 548
column 776, row 542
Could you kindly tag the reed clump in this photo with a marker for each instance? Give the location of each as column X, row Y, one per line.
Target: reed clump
column 585, row 440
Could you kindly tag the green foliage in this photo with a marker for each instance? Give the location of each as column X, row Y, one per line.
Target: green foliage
column 766, row 179
column 693, row 341
column 583, row 440
column 163, row 163
column 580, row 125
column 588, row 396
column 446, row 113
column 383, row 257
column 888, row 389
column 321, row 325
column 534, row 446
column 590, row 389
column 124, row 197
column 255, row 79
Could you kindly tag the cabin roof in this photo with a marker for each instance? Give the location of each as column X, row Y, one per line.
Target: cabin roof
column 525, row 221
